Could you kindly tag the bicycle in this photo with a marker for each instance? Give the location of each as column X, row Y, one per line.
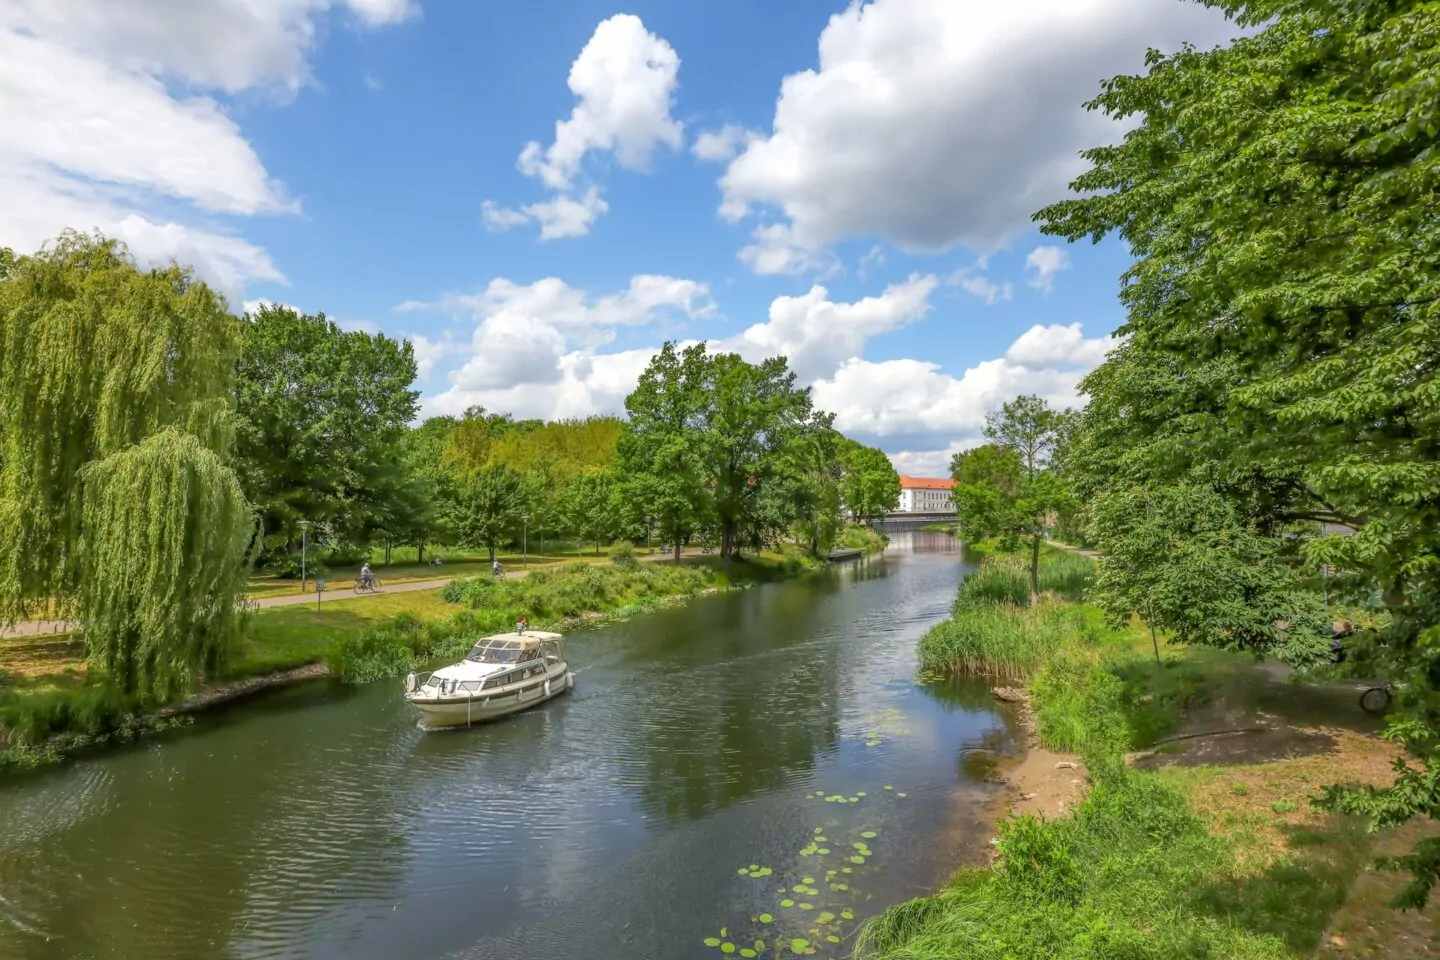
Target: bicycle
column 1376, row 699
column 367, row 586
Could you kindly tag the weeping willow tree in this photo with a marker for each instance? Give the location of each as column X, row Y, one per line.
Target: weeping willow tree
column 117, row 506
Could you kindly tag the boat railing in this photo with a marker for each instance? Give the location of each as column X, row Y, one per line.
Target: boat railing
column 414, row 682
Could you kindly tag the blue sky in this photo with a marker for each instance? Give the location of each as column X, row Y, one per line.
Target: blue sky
column 849, row 184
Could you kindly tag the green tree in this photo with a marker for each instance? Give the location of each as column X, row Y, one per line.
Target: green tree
column 811, row 478
column 1011, row 488
column 869, row 484
column 322, row 416
column 751, row 416
column 488, row 505
column 1278, row 197
column 590, row 504
column 1181, row 558
column 660, row 452
column 116, row 502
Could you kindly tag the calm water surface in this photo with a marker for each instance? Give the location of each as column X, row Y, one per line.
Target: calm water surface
column 610, row 823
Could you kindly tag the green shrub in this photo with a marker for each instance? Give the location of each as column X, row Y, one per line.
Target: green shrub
column 622, row 553
column 96, row 710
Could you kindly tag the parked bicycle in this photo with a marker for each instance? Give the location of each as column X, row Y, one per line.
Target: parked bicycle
column 367, row 586
column 1376, row 699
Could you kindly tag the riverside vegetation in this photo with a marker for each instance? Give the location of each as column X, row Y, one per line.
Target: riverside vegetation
column 1151, row 863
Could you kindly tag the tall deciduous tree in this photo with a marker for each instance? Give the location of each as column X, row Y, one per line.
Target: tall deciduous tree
column 116, row 502
column 869, row 483
column 322, row 416
column 489, row 503
column 1011, row 488
column 660, row 453
column 1278, row 195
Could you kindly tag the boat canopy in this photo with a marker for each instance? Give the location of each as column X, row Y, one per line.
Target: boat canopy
column 511, row 647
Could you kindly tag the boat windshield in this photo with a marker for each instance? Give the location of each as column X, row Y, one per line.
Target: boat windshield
column 496, row 651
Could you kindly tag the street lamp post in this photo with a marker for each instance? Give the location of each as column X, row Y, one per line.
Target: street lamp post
column 304, row 542
column 524, row 541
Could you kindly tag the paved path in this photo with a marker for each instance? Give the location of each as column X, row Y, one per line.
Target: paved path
column 38, row 628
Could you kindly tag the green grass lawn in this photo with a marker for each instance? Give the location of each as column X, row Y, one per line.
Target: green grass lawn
column 288, row 637
column 404, row 569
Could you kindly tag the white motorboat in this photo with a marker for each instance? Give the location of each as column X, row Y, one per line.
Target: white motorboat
column 500, row 675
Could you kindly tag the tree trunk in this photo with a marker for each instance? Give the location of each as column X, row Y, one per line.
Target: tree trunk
column 1153, row 642
column 1035, row 571
column 387, row 553
column 491, row 545
column 420, row 552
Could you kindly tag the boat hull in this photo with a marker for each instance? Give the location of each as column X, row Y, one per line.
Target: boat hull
column 467, row 711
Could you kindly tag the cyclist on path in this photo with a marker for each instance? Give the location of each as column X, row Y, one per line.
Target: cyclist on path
column 367, row 576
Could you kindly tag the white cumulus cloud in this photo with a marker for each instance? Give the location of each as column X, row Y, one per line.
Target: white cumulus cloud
column 535, row 345
column 1046, row 261
column 927, row 413
column 816, row 334
column 717, row 146
column 108, row 122
column 931, row 123
column 624, row 84
column 1058, row 346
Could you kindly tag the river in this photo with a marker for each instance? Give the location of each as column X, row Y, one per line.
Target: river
column 781, row 727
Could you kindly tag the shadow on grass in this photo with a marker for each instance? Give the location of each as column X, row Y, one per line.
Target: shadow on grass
column 1296, row 897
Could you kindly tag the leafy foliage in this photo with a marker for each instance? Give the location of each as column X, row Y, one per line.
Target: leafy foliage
column 716, row 442
column 322, row 415
column 1011, row 487
column 1180, row 558
column 115, row 499
column 869, row 484
column 1282, row 344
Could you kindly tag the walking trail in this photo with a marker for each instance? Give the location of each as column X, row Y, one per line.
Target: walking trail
column 39, row 628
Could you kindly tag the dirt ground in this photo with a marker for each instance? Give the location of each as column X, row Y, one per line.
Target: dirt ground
column 1251, row 756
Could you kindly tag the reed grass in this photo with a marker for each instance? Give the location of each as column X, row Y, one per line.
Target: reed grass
column 993, row 631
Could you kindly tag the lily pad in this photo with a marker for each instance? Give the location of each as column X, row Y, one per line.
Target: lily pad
column 787, row 903
column 841, row 887
column 847, row 915
column 872, row 743
column 807, row 906
column 823, row 851
column 902, row 794
column 747, row 952
column 847, row 869
column 807, row 880
column 859, row 793
column 799, row 946
column 743, row 871
column 766, row 918
column 857, row 859
column 888, row 787
column 727, row 948
column 833, row 939
column 869, row 834
column 825, row 917
column 712, row 941
column 799, row 888
column 854, row 799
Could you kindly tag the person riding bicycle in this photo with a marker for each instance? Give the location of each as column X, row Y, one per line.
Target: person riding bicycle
column 367, row 576
column 495, row 568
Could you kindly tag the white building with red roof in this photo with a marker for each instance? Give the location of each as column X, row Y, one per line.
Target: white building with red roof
column 926, row 494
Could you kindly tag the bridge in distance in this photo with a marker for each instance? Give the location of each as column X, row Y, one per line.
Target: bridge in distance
column 903, row 522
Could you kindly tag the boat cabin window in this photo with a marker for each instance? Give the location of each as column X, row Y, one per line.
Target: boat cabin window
column 504, row 679
column 496, row 651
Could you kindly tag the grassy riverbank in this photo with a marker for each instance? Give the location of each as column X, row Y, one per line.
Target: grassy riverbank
column 1204, row 847
column 51, row 703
